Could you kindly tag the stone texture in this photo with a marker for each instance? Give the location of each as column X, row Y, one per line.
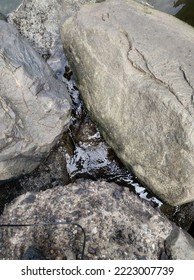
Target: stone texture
column 39, row 23
column 70, row 7
column 134, row 69
column 180, row 245
column 118, row 225
column 34, row 107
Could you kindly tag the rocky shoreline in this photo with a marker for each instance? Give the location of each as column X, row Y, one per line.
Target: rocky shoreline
column 125, row 226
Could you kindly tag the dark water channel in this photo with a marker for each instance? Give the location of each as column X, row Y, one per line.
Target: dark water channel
column 82, row 152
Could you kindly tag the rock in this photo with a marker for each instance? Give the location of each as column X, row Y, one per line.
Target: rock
column 39, row 23
column 34, row 106
column 182, row 216
column 70, row 7
column 117, row 224
column 180, row 245
column 134, row 69
column 50, row 173
column 32, row 254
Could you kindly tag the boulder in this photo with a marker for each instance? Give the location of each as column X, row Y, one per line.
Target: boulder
column 180, row 245
column 117, row 224
column 35, row 107
column 70, row 7
column 39, row 23
column 134, row 69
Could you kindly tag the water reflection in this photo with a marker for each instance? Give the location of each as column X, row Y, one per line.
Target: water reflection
column 6, row 6
column 166, row 6
column 187, row 12
column 182, row 9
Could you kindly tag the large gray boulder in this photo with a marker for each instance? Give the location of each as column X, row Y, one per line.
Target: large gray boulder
column 117, row 224
column 34, row 107
column 134, row 69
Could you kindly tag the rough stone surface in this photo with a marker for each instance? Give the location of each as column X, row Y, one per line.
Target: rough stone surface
column 180, row 245
column 70, row 7
column 34, row 106
column 39, row 22
column 134, row 69
column 118, row 225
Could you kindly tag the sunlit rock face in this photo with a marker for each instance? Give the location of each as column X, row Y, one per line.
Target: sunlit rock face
column 134, row 69
column 34, row 107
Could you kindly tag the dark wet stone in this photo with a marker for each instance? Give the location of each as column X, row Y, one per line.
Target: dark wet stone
column 92, row 250
column 3, row 17
column 29, row 199
column 117, row 194
column 33, row 253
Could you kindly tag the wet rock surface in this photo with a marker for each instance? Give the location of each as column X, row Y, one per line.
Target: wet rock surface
column 35, row 107
column 118, row 225
column 51, row 172
column 141, row 99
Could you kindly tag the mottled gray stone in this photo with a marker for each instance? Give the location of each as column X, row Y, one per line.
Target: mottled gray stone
column 35, row 108
column 116, row 227
column 39, row 23
column 134, row 69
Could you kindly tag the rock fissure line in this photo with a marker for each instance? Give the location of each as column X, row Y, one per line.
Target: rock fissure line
column 38, row 87
column 189, row 84
column 185, row 77
column 149, row 73
column 7, row 60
